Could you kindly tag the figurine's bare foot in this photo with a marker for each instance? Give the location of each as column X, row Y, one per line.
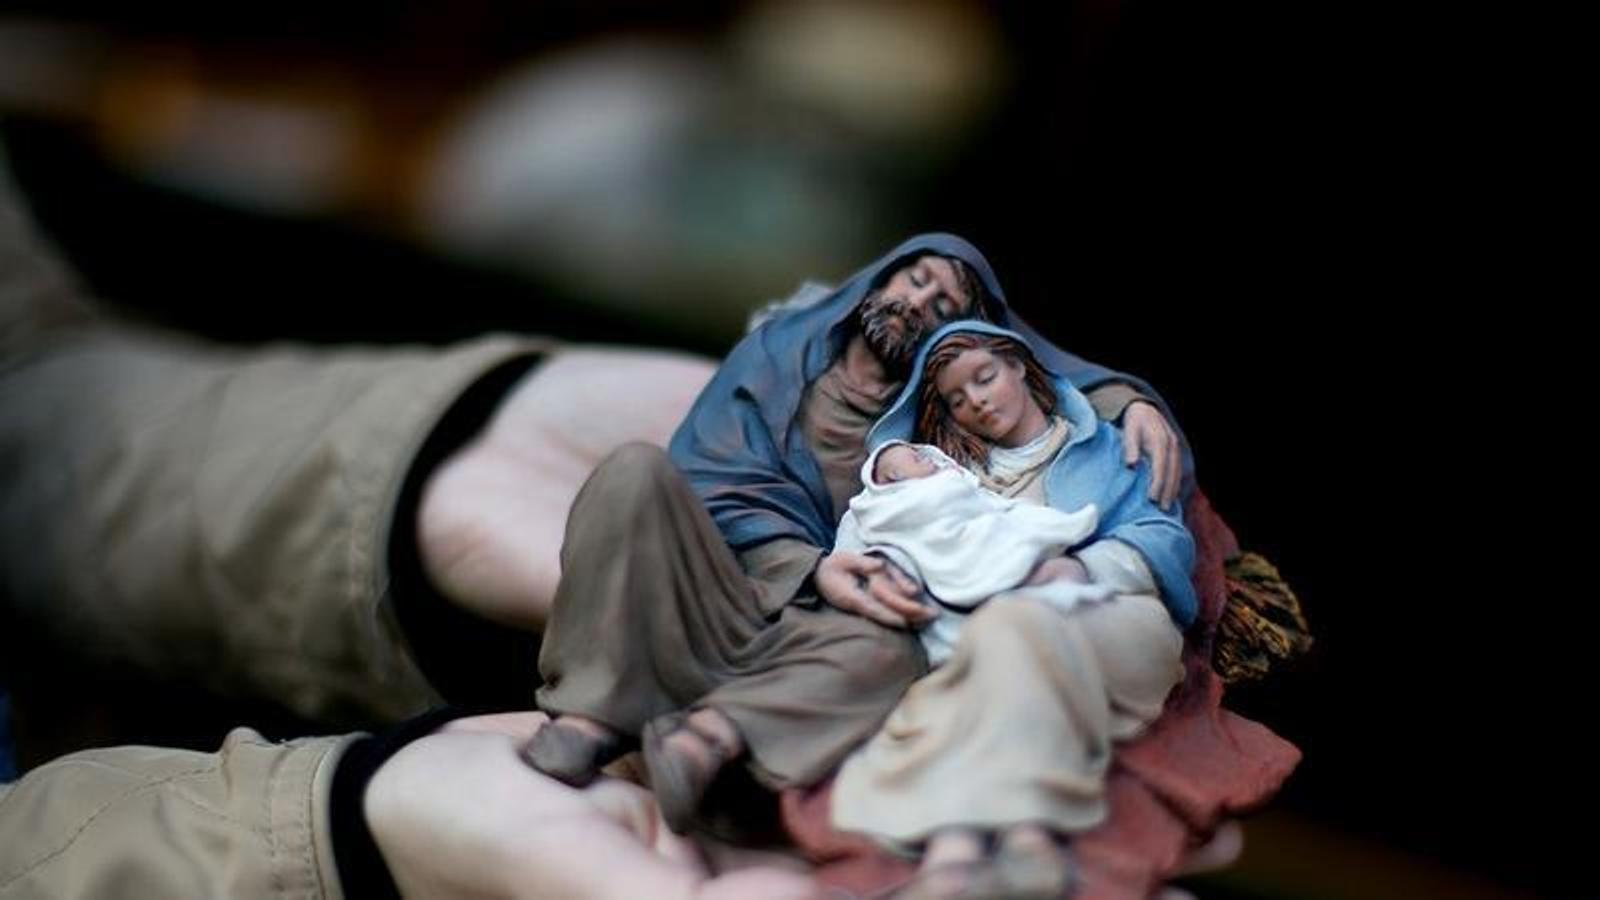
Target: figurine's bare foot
column 973, row 880
column 953, row 845
column 1030, row 863
column 683, row 753
column 952, row 868
column 571, row 749
column 1033, row 862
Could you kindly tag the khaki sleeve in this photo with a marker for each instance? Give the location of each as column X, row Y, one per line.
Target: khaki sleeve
column 250, row 820
column 1111, row 400
column 209, row 513
column 220, row 515
column 779, row 569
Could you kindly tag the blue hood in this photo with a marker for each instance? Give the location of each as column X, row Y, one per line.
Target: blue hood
column 741, row 446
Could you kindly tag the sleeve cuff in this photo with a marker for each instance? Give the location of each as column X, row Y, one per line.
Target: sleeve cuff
column 362, row 869
column 471, row 662
column 1114, row 563
column 1111, row 400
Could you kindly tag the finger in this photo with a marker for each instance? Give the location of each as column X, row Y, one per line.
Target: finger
column 890, row 593
column 911, row 606
column 1130, row 440
column 767, row 882
column 910, row 610
column 1174, row 473
column 882, row 614
column 854, row 599
column 905, row 582
column 1158, row 471
column 914, row 608
column 1222, row 851
column 903, row 609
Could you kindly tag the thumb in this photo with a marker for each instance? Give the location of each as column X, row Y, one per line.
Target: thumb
column 775, row 884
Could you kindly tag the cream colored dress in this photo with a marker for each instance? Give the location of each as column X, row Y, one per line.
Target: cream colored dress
column 1018, row 725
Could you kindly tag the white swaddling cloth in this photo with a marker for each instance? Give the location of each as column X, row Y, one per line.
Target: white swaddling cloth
column 965, row 543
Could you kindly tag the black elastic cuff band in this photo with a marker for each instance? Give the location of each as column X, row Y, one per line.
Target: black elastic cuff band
column 470, row 661
column 362, row 871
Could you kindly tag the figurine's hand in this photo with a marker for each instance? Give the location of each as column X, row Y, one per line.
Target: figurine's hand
column 458, row 814
column 1145, row 431
column 1059, row 568
column 492, row 516
column 873, row 587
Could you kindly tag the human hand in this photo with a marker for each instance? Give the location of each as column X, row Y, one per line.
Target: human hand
column 492, row 516
column 1220, row 852
column 873, row 587
column 1145, row 431
column 458, row 814
column 1059, row 568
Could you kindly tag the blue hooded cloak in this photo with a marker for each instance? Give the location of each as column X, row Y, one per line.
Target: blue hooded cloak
column 741, row 446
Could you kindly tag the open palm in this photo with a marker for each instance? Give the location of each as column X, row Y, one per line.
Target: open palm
column 492, row 516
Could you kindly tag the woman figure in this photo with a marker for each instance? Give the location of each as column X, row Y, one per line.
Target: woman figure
column 1012, row 736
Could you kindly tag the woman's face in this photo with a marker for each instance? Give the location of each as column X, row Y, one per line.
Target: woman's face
column 987, row 396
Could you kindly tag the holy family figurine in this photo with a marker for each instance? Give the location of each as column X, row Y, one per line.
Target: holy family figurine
column 948, row 591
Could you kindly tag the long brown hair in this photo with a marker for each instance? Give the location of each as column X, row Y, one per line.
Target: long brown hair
column 936, row 426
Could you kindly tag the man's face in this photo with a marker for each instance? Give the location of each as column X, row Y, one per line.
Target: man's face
column 914, row 302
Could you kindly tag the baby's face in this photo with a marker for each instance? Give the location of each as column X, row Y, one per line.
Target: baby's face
column 901, row 463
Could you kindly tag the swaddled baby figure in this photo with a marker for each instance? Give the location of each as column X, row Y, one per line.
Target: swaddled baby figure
column 965, row 544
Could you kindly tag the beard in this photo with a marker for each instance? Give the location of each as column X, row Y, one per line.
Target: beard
column 878, row 316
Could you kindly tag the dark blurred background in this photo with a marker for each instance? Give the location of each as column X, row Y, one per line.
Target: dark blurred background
column 1243, row 203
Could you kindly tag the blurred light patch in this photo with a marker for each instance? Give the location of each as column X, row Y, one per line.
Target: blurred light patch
column 45, row 68
column 572, row 141
column 274, row 150
column 48, row 68
column 642, row 174
column 897, row 71
column 681, row 177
